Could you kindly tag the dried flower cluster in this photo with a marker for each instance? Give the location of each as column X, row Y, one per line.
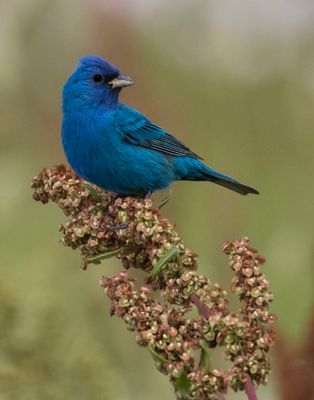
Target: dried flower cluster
column 101, row 225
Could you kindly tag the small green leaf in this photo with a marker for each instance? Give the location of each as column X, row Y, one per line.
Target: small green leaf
column 156, row 356
column 183, row 385
column 205, row 356
column 105, row 255
column 164, row 259
column 92, row 191
column 164, row 201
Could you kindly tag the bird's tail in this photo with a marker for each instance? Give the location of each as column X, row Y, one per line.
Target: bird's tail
column 208, row 174
column 195, row 170
column 191, row 169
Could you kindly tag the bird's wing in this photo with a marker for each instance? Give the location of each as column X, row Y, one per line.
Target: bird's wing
column 139, row 131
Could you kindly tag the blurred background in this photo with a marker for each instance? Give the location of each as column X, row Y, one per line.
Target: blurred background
column 235, row 82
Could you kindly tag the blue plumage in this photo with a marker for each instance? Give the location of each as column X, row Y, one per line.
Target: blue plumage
column 116, row 147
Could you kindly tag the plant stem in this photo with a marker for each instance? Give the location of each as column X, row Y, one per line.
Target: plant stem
column 250, row 389
column 202, row 308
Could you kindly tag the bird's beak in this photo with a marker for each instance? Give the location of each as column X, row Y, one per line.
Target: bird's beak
column 121, row 81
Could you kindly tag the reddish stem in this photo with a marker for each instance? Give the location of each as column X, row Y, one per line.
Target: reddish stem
column 250, row 389
column 202, row 308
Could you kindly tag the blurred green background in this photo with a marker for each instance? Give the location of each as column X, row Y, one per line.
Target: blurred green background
column 235, row 81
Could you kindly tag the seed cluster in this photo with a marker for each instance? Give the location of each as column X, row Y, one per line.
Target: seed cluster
column 101, row 225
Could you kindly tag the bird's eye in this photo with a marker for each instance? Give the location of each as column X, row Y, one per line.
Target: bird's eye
column 98, row 78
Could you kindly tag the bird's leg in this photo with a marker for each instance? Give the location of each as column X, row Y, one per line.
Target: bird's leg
column 110, row 214
column 148, row 195
column 114, row 197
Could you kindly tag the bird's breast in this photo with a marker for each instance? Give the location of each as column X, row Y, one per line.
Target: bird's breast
column 85, row 144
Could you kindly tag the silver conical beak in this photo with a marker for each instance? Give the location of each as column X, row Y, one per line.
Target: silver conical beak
column 121, row 81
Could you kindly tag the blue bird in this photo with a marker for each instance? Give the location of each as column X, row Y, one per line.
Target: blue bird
column 118, row 148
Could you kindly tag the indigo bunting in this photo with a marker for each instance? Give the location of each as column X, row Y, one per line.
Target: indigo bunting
column 118, row 148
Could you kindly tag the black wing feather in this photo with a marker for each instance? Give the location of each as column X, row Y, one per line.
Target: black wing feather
column 155, row 138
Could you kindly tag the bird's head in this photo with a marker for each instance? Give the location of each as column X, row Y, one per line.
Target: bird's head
column 95, row 80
